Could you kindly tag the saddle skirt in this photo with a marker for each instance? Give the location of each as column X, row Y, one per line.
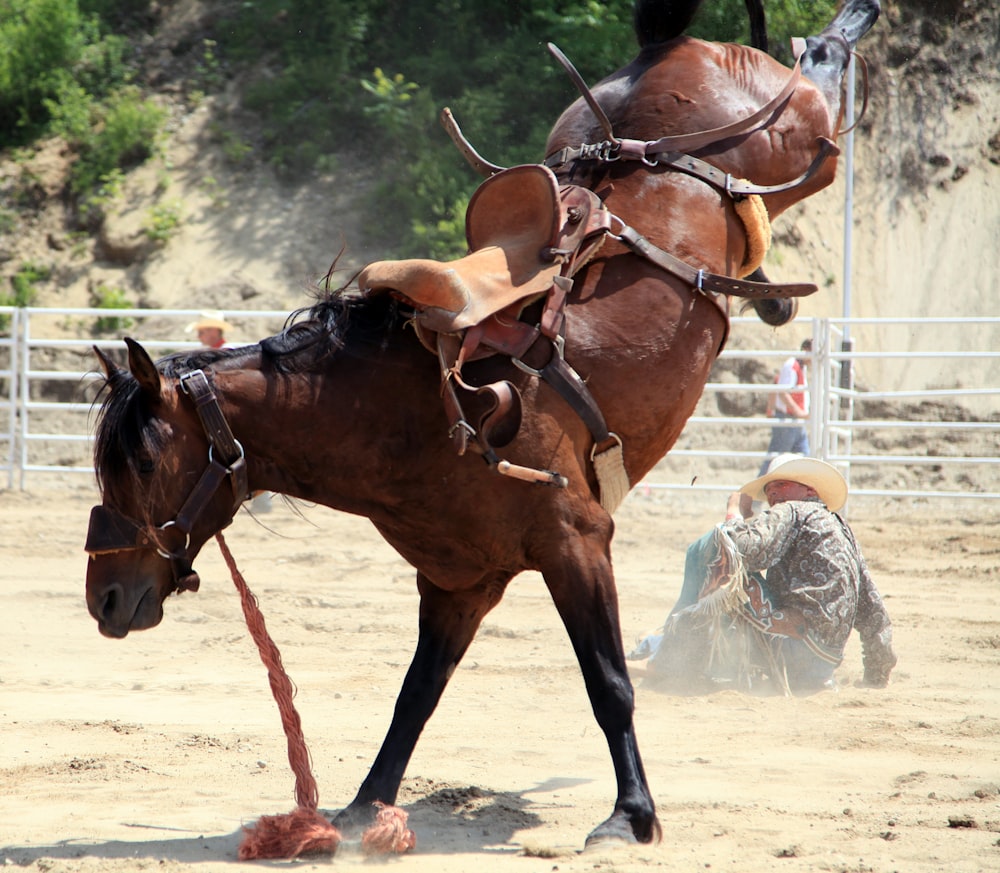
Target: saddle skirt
column 521, row 228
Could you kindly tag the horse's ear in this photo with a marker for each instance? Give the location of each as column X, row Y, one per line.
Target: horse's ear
column 143, row 368
column 110, row 367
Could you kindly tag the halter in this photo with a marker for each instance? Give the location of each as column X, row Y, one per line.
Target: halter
column 112, row 531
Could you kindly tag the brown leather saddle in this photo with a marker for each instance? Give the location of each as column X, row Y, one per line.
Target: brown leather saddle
column 527, row 237
column 524, row 232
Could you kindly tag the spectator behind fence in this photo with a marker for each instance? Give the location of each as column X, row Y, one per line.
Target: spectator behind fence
column 211, row 329
column 770, row 600
column 790, row 405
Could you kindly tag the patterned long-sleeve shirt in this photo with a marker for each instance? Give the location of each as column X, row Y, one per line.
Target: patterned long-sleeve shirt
column 817, row 584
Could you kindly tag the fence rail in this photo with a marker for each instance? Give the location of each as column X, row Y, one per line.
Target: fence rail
column 47, row 368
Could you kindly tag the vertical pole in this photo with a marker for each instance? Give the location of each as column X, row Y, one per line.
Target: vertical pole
column 15, row 337
column 847, row 344
column 848, row 196
column 819, row 375
column 25, row 393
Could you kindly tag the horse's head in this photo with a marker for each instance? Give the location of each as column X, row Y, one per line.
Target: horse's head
column 163, row 495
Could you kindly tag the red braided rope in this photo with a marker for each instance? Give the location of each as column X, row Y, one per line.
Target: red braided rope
column 304, row 830
column 306, row 792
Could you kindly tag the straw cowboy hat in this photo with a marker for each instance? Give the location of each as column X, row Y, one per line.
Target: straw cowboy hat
column 823, row 478
column 209, row 319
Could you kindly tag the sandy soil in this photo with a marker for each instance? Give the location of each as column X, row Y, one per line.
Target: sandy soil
column 152, row 752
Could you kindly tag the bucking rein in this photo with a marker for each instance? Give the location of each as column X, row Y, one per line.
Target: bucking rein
column 527, row 237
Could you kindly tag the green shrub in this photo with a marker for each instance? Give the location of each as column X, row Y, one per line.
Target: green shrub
column 163, row 221
column 54, row 61
column 41, row 41
column 8, row 220
column 107, row 297
column 127, row 134
column 23, row 283
column 23, row 291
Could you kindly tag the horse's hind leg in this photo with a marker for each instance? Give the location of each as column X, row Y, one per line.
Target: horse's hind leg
column 827, row 53
column 581, row 583
column 855, row 19
column 775, row 311
column 448, row 623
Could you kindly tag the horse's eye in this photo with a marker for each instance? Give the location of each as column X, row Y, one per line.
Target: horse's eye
column 146, row 465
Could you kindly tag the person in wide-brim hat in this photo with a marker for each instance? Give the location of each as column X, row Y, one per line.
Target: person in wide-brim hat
column 211, row 328
column 209, row 320
column 773, row 598
column 825, row 479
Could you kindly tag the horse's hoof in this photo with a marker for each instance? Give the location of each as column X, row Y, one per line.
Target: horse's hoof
column 353, row 821
column 614, row 833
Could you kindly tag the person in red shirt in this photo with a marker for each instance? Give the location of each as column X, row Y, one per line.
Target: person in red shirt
column 790, row 405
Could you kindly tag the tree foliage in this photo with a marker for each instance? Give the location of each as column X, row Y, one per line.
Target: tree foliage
column 374, row 74
column 328, row 75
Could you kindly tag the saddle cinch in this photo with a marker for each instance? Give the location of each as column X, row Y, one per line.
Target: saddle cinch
column 527, row 237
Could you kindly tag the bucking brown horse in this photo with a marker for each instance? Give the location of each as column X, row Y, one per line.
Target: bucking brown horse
column 662, row 181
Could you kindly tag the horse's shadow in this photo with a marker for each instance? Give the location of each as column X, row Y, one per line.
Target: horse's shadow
column 185, row 849
column 449, row 820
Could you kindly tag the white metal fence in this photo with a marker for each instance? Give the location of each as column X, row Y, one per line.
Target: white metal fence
column 930, row 436
column 922, row 439
column 48, row 369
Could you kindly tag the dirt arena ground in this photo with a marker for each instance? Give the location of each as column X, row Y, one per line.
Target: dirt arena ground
column 152, row 752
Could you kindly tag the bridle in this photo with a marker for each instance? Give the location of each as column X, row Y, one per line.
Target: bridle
column 112, row 531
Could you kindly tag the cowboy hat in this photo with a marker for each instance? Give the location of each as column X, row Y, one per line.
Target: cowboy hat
column 823, row 478
column 209, row 319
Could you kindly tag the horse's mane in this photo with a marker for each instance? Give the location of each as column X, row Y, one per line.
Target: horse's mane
column 657, row 21
column 339, row 320
column 182, row 362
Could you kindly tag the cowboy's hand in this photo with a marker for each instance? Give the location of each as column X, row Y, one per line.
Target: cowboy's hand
column 739, row 505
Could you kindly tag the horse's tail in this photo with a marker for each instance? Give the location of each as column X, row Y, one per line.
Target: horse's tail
column 657, row 21
column 758, row 24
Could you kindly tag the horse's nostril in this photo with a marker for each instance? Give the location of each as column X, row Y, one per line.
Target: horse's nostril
column 112, row 597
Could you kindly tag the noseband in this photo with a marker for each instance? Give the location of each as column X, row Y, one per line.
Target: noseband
column 112, row 531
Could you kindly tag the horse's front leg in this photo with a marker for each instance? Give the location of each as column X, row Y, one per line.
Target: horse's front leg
column 448, row 622
column 582, row 585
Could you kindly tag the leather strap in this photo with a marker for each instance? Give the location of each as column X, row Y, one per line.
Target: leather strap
column 704, row 281
column 740, row 187
column 459, row 429
column 632, row 149
column 220, row 436
column 568, row 384
column 110, row 531
column 211, row 478
column 689, row 142
column 863, row 66
column 585, row 91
